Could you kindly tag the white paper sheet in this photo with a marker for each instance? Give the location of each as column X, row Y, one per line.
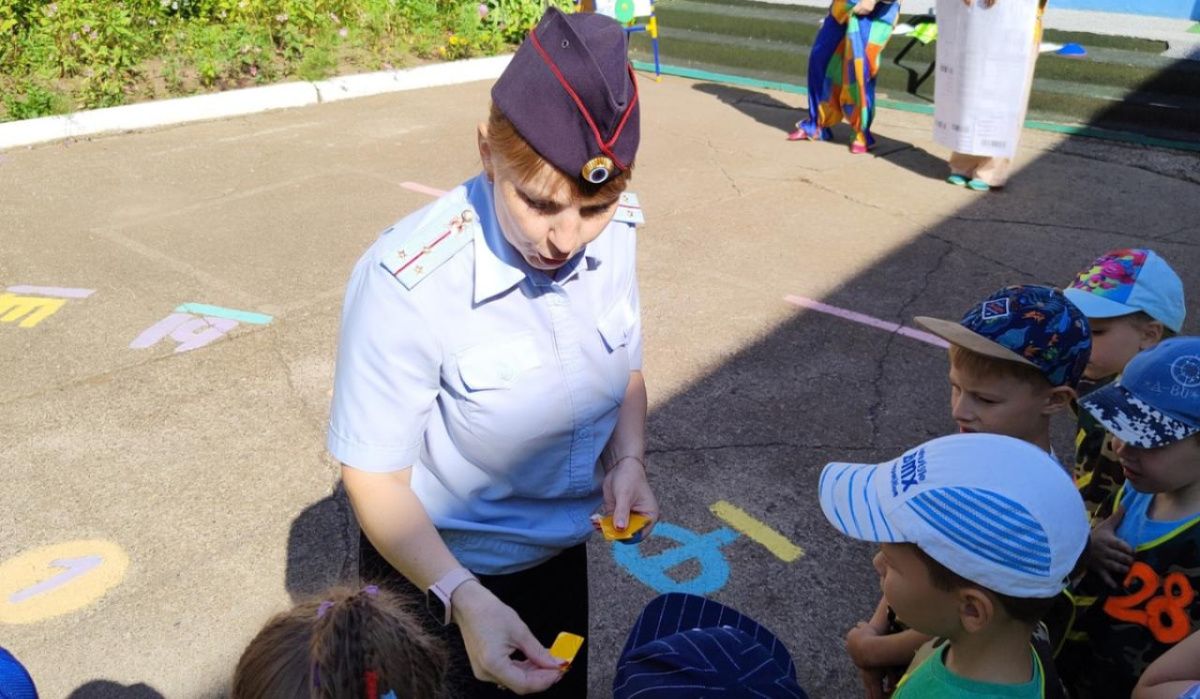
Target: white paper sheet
column 984, row 59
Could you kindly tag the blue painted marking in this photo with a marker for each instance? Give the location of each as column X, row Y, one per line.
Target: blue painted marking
column 203, row 309
column 72, row 568
column 703, row 548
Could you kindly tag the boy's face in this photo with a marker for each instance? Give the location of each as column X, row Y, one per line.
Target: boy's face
column 909, row 591
column 1115, row 341
column 997, row 405
column 1162, row 470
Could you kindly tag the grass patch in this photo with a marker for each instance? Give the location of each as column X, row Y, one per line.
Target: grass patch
column 63, row 55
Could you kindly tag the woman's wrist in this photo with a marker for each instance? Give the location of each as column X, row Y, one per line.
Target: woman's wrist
column 628, row 457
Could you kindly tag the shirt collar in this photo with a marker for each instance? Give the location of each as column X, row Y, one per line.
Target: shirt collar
column 498, row 266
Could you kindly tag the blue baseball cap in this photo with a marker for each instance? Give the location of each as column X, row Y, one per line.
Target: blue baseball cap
column 685, row 646
column 1028, row 324
column 998, row 511
column 1156, row 400
column 1129, row 280
column 15, row 682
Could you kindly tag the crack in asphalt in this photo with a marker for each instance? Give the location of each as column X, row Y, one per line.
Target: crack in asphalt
column 716, row 159
column 881, row 362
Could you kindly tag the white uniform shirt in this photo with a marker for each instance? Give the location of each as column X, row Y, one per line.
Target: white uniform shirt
column 499, row 385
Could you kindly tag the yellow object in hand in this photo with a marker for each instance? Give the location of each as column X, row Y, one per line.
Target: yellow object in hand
column 565, row 647
column 637, row 522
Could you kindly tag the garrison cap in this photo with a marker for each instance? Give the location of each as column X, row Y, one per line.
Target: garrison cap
column 571, row 93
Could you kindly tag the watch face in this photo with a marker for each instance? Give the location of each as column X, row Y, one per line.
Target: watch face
column 436, row 607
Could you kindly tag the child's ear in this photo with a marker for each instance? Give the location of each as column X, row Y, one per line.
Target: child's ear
column 485, row 151
column 1058, row 399
column 976, row 609
column 1152, row 333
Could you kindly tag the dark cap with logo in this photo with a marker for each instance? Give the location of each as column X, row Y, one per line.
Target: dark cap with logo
column 571, row 93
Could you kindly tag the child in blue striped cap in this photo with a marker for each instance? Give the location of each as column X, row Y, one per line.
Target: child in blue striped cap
column 978, row 534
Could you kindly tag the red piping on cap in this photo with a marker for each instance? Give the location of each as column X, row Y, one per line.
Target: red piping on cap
column 605, row 146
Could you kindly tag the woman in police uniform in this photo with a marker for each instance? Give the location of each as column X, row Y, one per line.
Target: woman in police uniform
column 489, row 394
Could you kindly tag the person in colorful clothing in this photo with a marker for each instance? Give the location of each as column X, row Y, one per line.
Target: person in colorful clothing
column 842, row 67
column 1153, row 412
column 488, row 395
column 1133, row 300
column 978, row 534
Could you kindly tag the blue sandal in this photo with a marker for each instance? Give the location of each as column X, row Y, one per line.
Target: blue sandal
column 957, row 180
column 978, row 185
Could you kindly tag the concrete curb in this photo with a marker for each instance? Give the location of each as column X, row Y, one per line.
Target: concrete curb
column 245, row 101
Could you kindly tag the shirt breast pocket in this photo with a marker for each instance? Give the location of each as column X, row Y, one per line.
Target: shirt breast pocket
column 616, row 326
column 498, row 365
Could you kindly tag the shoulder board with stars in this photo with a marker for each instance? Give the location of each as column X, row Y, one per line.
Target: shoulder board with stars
column 629, row 210
column 430, row 247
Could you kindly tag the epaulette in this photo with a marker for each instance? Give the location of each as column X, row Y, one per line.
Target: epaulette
column 431, row 245
column 629, row 210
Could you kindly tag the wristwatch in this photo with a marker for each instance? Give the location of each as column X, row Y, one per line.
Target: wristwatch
column 437, row 597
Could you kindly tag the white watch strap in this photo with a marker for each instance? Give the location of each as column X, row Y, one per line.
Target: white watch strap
column 447, row 584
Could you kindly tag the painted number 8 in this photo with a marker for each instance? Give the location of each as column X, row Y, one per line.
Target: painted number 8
column 1165, row 615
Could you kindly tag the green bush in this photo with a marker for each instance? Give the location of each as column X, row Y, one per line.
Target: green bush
column 58, row 55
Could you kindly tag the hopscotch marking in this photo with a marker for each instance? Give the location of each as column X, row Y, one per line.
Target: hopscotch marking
column 757, row 531
column 50, row 581
column 28, row 305
column 194, row 325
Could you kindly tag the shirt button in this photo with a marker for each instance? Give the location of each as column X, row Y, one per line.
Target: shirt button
column 506, row 373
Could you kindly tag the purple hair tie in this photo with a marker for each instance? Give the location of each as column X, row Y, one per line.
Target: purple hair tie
column 324, row 608
column 371, row 590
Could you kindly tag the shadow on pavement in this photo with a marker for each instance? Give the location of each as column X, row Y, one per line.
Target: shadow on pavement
column 322, row 546
column 757, row 429
column 106, row 689
column 769, row 111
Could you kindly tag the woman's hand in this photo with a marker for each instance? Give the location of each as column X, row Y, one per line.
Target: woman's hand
column 863, row 7
column 626, row 489
column 492, row 632
column 1108, row 555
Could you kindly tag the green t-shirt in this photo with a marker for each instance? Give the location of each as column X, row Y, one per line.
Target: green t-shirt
column 933, row 680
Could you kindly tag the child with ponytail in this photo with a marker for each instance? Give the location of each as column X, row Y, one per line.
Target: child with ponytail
column 346, row 644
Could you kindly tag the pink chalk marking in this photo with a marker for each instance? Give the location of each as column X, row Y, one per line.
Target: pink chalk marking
column 422, row 189
column 192, row 332
column 866, row 320
column 55, row 291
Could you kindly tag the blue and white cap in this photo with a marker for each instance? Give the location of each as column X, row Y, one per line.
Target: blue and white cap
column 1156, row 400
column 998, row 511
column 1129, row 280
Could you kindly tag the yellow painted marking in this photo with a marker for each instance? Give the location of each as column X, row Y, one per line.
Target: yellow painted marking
column 566, row 646
column 770, row 539
column 38, row 568
column 33, row 309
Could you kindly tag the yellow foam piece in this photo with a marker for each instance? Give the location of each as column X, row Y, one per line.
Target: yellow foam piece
column 566, row 646
column 610, row 531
